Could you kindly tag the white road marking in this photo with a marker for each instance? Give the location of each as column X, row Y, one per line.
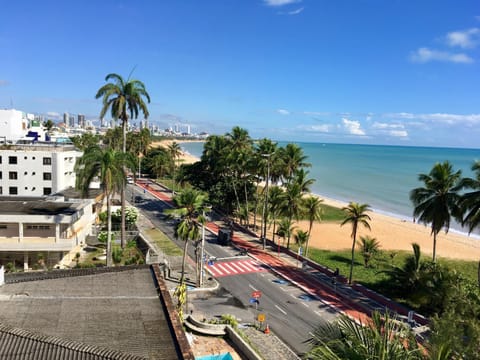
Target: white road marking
column 281, row 310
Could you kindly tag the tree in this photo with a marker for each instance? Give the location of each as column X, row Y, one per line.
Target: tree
column 293, row 159
column 438, row 200
column 190, row 206
column 369, row 247
column 123, row 98
column 107, row 165
column 174, row 150
column 301, row 237
column 312, row 206
column 293, row 201
column 355, row 214
column 384, row 337
column 138, row 144
column 470, row 201
column 49, row 124
column 276, row 202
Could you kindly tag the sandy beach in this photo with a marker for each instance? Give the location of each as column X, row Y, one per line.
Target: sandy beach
column 392, row 233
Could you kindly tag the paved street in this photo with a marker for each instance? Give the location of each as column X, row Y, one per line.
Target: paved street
column 316, row 290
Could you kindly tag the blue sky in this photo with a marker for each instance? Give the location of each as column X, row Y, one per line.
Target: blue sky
column 350, row 71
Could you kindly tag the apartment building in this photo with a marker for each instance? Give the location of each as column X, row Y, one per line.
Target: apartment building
column 37, row 169
column 46, row 228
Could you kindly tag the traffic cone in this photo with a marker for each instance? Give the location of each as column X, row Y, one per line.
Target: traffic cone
column 267, row 330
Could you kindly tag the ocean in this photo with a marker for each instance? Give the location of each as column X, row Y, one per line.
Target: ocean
column 381, row 176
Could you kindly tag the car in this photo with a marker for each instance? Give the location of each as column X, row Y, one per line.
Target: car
column 130, row 180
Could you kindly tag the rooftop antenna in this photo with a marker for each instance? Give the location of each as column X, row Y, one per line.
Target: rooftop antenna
column 11, row 103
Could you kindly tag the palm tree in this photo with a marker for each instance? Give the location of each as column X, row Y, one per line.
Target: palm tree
column 355, row 214
column 123, row 98
column 276, row 202
column 174, row 150
column 293, row 159
column 470, row 201
column 438, row 201
column 384, row 337
column 369, row 247
column 285, row 229
column 301, row 237
column 107, row 165
column 312, row 206
column 293, row 202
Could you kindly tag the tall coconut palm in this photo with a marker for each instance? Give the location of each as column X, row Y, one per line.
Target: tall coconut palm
column 174, row 150
column 107, row 165
column 470, row 201
column 355, row 214
column 293, row 159
column 276, row 202
column 293, row 204
column 438, row 200
column 312, row 206
column 123, row 98
column 190, row 206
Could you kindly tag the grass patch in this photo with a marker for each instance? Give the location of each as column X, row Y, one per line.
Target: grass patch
column 372, row 276
column 167, row 246
column 331, row 213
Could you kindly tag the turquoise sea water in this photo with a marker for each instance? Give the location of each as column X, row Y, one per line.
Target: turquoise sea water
column 381, row 176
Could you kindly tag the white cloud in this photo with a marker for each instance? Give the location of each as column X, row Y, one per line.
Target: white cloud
column 53, row 114
column 424, row 55
column 4, row 82
column 296, row 12
column 396, row 130
column 352, row 127
column 398, row 133
column 280, row 2
column 449, row 119
column 464, row 39
column 377, row 125
column 283, row 112
column 322, row 128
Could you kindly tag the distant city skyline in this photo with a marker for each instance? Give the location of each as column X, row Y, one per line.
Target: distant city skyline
column 367, row 72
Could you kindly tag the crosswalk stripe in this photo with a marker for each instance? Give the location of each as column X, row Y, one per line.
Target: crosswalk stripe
column 234, row 267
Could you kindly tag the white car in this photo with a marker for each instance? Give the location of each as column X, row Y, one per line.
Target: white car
column 129, row 180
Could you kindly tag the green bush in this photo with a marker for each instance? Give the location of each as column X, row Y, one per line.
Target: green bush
column 117, row 253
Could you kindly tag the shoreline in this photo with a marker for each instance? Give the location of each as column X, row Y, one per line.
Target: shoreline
column 392, row 231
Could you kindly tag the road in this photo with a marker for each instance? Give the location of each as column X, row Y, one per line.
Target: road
column 291, row 313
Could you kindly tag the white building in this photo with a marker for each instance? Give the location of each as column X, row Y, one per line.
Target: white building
column 50, row 230
column 14, row 125
column 37, row 169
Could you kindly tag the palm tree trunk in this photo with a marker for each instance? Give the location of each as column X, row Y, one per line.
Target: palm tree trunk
column 434, row 246
column 184, row 261
column 308, row 238
column 109, row 232
column 353, row 256
column 289, row 232
column 122, row 196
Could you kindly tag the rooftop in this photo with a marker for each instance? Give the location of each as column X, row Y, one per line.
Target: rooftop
column 100, row 310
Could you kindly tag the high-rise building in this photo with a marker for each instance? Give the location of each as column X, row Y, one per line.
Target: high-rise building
column 66, row 119
column 188, row 129
column 71, row 121
column 81, row 121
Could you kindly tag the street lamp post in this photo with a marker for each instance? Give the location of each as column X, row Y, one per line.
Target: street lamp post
column 264, row 232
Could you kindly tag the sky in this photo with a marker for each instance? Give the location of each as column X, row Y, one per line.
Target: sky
column 396, row 72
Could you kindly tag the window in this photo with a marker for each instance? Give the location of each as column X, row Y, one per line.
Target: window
column 12, row 159
column 0, row 159
column 12, row 175
column 1, row 190
column 0, row 175
column 13, row 190
column 3, row 226
column 47, row 176
column 47, row 191
column 47, row 161
column 38, row 227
